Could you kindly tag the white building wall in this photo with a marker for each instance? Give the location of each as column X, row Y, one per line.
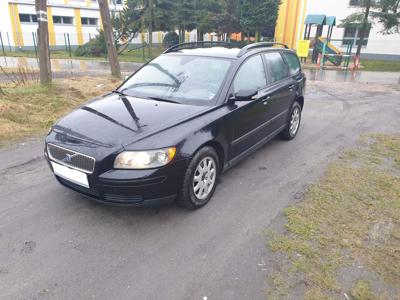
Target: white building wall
column 5, row 22
column 90, row 31
column 87, row 8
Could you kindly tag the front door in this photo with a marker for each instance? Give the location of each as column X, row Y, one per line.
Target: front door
column 250, row 117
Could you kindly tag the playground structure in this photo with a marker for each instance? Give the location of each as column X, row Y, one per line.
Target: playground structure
column 323, row 48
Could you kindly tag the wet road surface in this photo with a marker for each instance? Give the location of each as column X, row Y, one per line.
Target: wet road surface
column 55, row 244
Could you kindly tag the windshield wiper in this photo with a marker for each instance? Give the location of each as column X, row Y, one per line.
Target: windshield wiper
column 163, row 100
column 151, row 97
column 119, row 93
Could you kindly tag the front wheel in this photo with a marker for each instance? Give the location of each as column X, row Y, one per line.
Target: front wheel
column 200, row 179
column 293, row 123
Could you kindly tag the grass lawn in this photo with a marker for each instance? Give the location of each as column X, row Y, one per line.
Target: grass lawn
column 32, row 109
column 132, row 56
column 380, row 65
column 342, row 241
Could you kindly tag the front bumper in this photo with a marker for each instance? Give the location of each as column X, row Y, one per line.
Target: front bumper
column 132, row 187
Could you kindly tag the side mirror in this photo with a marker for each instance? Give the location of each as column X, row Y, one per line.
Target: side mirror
column 245, row 95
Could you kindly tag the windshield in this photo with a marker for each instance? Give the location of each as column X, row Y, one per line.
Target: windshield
column 179, row 78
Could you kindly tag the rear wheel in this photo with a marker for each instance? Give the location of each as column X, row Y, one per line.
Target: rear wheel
column 293, row 123
column 200, row 179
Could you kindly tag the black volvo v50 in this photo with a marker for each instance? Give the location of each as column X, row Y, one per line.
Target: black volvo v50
column 177, row 123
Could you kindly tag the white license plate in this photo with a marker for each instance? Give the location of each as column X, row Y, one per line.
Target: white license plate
column 72, row 175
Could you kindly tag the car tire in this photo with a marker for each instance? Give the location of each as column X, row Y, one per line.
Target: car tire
column 291, row 129
column 194, row 182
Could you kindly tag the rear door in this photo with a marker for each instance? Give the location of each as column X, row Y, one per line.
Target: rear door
column 295, row 70
column 282, row 89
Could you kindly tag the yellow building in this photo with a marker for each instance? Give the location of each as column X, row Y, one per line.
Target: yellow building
column 290, row 23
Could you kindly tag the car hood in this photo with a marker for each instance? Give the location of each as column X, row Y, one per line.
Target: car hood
column 121, row 120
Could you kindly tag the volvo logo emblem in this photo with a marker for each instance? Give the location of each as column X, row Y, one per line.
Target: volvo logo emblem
column 68, row 158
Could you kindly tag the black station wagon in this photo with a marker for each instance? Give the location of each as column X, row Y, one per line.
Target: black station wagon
column 177, row 123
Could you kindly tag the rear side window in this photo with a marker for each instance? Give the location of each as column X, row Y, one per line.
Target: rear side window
column 276, row 66
column 251, row 75
column 293, row 62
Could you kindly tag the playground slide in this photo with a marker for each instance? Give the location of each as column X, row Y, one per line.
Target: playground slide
column 330, row 49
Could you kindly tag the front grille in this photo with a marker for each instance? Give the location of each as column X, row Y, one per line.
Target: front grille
column 71, row 158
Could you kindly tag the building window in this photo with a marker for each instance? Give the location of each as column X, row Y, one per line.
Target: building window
column 356, row 2
column 89, row 21
column 352, row 34
column 63, row 20
column 27, row 18
column 361, row 2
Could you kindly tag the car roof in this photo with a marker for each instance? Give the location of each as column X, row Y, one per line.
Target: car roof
column 222, row 52
column 212, row 51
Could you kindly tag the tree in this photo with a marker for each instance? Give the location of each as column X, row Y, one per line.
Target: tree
column 386, row 12
column 257, row 16
column 183, row 17
column 363, row 18
column 228, row 20
column 43, row 42
column 146, row 14
column 126, row 26
column 207, row 16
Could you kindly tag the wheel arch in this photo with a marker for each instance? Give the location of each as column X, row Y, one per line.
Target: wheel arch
column 218, row 149
column 300, row 100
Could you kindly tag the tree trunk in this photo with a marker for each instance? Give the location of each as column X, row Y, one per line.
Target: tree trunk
column 181, row 35
column 200, row 36
column 257, row 36
column 364, row 26
column 43, row 42
column 107, row 28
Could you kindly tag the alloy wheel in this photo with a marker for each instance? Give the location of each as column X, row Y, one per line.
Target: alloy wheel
column 204, row 178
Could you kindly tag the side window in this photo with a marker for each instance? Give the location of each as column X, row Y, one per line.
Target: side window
column 251, row 75
column 276, row 66
column 293, row 62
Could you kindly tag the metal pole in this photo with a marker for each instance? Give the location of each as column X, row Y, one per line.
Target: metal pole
column 143, row 55
column 9, row 44
column 69, row 45
column 65, row 42
column 2, row 45
column 350, row 50
column 150, row 27
column 34, row 44
column 323, row 54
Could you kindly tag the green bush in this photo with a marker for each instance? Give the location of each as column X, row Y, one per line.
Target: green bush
column 170, row 39
column 95, row 47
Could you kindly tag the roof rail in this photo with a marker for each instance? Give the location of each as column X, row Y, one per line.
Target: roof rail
column 249, row 47
column 191, row 45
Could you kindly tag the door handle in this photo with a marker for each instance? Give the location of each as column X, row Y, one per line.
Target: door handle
column 265, row 101
column 291, row 87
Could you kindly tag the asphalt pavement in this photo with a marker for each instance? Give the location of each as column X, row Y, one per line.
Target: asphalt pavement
column 55, row 244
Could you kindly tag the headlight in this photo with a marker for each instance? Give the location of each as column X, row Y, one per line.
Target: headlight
column 144, row 159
